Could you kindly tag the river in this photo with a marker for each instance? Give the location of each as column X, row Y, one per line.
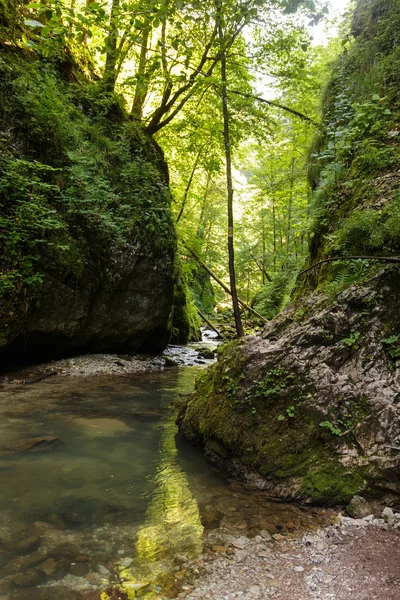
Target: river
column 99, row 491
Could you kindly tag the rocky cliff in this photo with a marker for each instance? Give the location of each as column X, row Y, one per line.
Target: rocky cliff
column 88, row 248
column 310, row 408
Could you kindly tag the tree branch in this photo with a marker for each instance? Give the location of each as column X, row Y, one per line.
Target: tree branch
column 292, row 111
column 388, row 259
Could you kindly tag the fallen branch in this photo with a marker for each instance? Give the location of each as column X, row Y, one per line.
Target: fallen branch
column 222, row 284
column 39, row 378
column 219, row 334
column 389, row 259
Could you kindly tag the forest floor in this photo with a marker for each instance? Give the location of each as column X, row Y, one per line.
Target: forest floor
column 336, row 563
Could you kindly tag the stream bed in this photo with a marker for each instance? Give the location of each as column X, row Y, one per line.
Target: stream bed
column 99, row 491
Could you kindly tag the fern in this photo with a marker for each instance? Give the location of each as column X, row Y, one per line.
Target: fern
column 346, row 274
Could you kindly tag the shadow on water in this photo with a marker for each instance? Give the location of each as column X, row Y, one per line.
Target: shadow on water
column 98, row 491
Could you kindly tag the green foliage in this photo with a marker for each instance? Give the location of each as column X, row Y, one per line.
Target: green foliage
column 352, row 340
column 290, row 413
column 354, row 161
column 270, row 300
column 334, row 430
column 392, row 346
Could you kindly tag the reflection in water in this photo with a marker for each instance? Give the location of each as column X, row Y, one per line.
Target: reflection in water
column 173, row 521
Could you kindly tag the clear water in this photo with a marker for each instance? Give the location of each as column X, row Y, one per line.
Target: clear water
column 117, row 495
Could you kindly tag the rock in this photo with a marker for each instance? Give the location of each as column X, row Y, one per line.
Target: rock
column 38, row 444
column 79, row 569
column 211, row 519
column 206, row 353
column 28, row 578
column 240, row 542
column 61, row 568
column 266, row 535
column 359, row 508
column 103, row 570
column 42, row 526
column 21, row 563
column 5, row 557
column 126, row 562
column 6, row 584
column 48, row 567
column 255, row 590
column 219, row 548
column 23, row 546
column 51, row 593
column 240, row 555
column 388, row 515
column 170, row 362
column 298, row 569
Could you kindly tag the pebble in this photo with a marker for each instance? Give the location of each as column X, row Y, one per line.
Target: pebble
column 103, row 570
column 298, row 569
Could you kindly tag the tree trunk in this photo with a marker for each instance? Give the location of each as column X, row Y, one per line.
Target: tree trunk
column 289, row 213
column 228, row 158
column 110, row 72
column 142, row 86
column 189, row 184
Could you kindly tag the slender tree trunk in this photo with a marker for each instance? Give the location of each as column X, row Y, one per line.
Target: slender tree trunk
column 141, row 85
column 201, row 226
column 289, row 212
column 228, row 158
column 274, row 231
column 263, row 245
column 189, row 184
column 110, row 72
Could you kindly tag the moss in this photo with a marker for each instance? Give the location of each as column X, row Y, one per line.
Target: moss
column 332, row 484
column 184, row 318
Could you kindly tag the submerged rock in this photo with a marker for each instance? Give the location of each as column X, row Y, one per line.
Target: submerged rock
column 39, row 444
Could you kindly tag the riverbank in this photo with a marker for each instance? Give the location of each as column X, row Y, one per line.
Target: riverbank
column 350, row 560
column 90, row 365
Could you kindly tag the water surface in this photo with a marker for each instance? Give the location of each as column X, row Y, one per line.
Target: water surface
column 97, row 487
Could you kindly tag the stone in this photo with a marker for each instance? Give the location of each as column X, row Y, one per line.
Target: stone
column 21, row 563
column 42, row 526
column 103, row 570
column 38, row 444
column 79, row 569
column 48, row 567
column 298, row 569
column 28, row 578
column 266, row 535
column 240, row 542
column 388, row 515
column 255, row 590
column 23, row 546
column 358, row 508
column 5, row 557
column 240, row 555
column 126, row 562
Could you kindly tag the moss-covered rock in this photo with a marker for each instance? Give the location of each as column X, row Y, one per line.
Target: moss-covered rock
column 88, row 247
column 309, row 407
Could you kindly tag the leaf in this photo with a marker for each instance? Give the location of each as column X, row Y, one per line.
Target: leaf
column 33, row 23
column 281, row 418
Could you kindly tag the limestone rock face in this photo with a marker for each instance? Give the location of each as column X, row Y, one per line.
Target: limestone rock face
column 310, row 408
column 121, row 304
